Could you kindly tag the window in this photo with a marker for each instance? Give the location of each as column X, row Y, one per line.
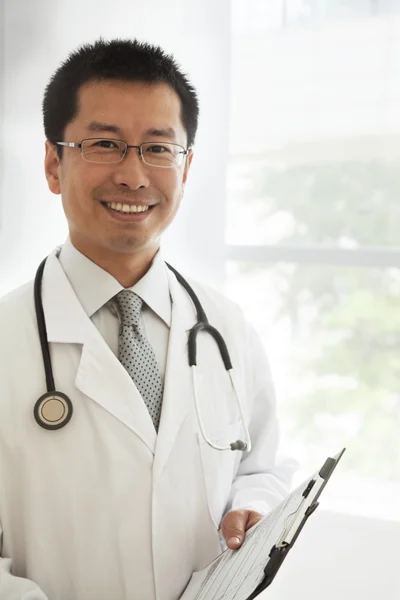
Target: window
column 261, row 15
column 313, row 236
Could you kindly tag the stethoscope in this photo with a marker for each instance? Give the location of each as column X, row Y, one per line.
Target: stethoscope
column 54, row 409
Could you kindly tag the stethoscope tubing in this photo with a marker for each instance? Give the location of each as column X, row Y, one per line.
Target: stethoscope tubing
column 41, row 321
column 202, row 325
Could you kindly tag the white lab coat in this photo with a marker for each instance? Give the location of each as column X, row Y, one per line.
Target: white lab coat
column 104, row 509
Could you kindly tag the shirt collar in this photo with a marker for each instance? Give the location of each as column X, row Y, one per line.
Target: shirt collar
column 95, row 287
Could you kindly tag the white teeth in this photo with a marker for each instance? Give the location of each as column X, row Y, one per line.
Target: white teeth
column 127, row 208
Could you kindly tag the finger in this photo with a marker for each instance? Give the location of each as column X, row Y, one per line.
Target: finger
column 253, row 518
column 234, row 542
column 234, row 527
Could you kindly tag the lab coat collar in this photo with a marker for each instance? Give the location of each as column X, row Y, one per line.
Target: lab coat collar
column 100, row 375
column 64, row 313
column 178, row 396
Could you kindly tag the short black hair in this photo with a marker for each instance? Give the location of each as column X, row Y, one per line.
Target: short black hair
column 119, row 59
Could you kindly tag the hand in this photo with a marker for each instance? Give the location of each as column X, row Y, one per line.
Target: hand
column 235, row 524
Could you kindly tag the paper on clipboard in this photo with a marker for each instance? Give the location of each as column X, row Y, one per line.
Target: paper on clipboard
column 235, row 574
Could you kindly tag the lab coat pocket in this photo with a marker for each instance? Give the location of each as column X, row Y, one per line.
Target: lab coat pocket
column 219, row 468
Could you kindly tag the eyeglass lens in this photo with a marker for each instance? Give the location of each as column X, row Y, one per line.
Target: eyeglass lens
column 111, row 151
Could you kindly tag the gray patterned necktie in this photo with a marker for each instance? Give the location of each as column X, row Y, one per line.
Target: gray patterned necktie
column 136, row 354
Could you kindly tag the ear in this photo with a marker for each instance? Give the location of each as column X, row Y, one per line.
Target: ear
column 188, row 162
column 52, row 168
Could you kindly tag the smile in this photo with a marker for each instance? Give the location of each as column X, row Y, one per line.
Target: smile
column 127, row 208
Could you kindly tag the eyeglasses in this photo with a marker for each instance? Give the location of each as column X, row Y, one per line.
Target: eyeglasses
column 105, row 150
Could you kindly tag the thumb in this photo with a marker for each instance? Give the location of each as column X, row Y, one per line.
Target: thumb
column 234, row 527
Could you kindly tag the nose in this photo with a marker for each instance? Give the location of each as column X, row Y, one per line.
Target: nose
column 131, row 172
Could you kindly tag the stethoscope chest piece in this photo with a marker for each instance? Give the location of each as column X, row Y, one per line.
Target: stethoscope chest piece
column 53, row 410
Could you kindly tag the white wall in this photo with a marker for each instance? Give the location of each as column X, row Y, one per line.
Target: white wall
column 346, row 557
column 338, row 557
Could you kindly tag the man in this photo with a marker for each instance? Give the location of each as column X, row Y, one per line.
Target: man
column 124, row 498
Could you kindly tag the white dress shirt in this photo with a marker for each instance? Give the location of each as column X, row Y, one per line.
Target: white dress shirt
column 96, row 288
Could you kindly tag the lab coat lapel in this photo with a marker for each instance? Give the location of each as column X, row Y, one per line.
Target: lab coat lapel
column 100, row 375
column 178, row 389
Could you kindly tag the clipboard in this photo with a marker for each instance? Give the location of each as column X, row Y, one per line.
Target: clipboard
column 244, row 573
column 280, row 550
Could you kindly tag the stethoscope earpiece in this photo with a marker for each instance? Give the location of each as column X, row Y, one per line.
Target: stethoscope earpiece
column 53, row 410
column 239, row 445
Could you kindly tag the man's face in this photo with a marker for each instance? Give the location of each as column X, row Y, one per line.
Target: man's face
column 134, row 112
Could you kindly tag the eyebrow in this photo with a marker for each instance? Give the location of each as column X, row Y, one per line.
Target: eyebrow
column 104, row 127
column 169, row 132
column 96, row 126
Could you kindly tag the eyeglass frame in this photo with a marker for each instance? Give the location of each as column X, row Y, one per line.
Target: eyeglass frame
column 185, row 151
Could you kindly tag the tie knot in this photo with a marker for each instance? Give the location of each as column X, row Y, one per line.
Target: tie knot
column 129, row 305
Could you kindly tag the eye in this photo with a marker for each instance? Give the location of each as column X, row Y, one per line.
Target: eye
column 158, row 149
column 106, row 144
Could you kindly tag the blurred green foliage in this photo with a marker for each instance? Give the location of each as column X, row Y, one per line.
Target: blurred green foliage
column 345, row 321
